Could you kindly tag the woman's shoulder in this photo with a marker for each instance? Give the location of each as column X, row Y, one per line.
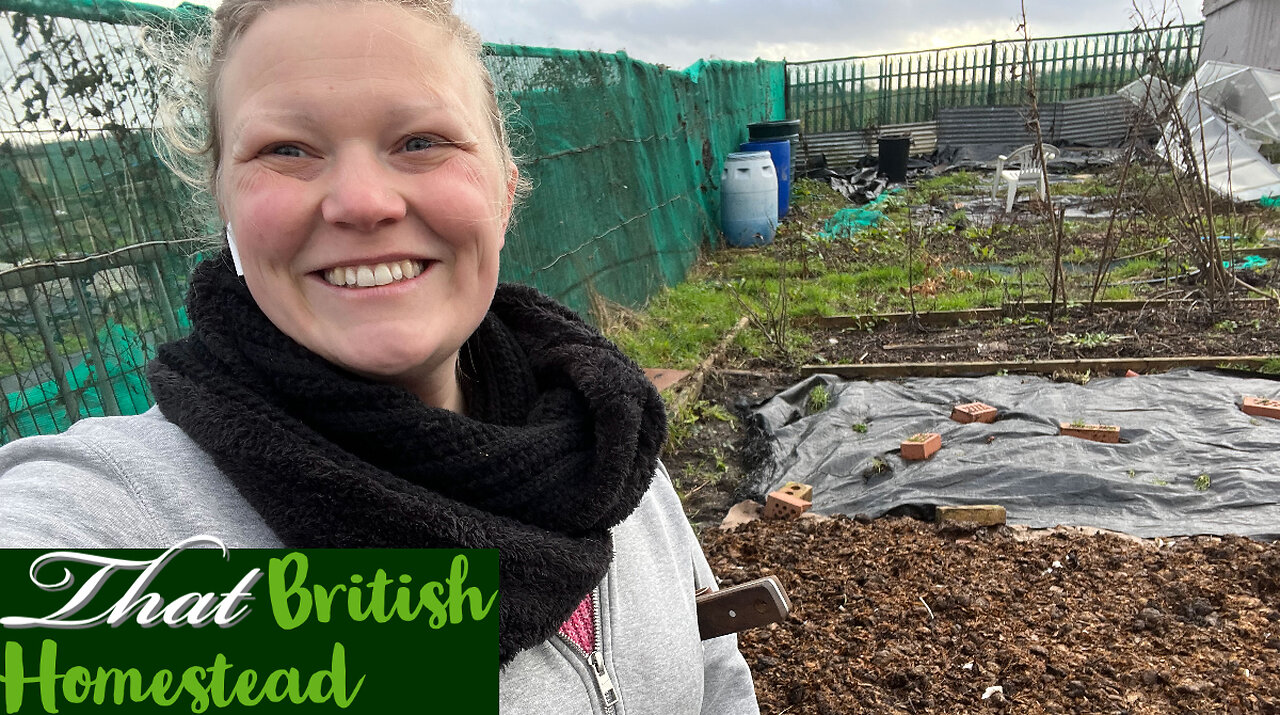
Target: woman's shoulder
column 135, row 481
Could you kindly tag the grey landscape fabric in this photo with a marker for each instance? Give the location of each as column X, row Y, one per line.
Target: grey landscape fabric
column 1189, row 462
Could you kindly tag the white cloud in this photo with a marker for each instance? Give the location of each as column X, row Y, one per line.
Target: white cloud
column 678, row 32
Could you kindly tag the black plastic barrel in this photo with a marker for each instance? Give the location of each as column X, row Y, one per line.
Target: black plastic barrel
column 894, row 152
column 771, row 131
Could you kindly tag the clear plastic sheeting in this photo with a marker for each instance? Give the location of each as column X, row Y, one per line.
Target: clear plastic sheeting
column 1230, row 111
column 1189, row 462
column 1247, row 97
column 1150, row 93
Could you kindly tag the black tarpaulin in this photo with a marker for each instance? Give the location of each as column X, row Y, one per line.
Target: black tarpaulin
column 1190, row 461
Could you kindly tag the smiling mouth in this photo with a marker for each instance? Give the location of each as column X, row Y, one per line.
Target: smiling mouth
column 372, row 275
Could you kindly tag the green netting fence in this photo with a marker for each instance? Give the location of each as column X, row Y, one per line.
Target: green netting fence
column 851, row 93
column 97, row 236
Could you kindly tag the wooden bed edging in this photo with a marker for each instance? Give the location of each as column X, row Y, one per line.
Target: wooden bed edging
column 954, row 317
column 1097, row 366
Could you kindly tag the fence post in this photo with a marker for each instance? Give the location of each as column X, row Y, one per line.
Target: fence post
column 7, row 421
column 51, row 352
column 102, row 380
column 161, row 296
column 884, row 91
column 991, row 76
column 786, row 89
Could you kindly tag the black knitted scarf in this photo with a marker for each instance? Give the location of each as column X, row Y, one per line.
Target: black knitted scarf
column 559, row 443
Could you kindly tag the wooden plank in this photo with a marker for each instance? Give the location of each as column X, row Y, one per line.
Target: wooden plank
column 693, row 385
column 1038, row 306
column 937, row 317
column 1035, row 367
column 953, row 317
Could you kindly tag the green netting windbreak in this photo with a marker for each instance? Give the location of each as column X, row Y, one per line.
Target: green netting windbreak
column 97, row 236
column 625, row 158
column 95, row 233
column 851, row 93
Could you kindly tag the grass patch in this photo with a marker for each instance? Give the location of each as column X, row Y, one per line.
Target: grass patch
column 1137, row 268
column 679, row 327
column 950, row 183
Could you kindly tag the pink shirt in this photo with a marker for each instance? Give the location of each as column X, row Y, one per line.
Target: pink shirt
column 581, row 626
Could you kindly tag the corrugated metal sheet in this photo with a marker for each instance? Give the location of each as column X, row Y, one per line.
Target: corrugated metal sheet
column 1093, row 122
column 1096, row 121
column 999, row 128
column 1242, row 32
column 844, row 149
column 1212, row 6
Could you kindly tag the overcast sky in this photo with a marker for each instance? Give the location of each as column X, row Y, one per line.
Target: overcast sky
column 678, row 32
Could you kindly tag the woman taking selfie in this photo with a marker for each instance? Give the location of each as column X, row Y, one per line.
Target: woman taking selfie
column 356, row 376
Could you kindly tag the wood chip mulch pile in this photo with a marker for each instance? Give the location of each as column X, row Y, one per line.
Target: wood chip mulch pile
column 902, row 616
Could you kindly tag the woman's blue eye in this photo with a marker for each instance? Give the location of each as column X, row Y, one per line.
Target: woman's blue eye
column 418, row 144
column 288, row 150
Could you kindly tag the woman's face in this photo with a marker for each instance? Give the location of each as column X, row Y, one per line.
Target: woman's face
column 365, row 188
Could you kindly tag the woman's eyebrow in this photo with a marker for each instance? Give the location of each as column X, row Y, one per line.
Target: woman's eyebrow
column 285, row 117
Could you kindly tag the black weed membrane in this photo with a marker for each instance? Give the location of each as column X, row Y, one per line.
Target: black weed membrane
column 1189, row 460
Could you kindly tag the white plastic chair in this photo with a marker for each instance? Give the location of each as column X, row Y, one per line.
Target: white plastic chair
column 1028, row 171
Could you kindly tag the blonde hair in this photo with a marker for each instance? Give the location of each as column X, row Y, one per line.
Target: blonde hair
column 189, row 127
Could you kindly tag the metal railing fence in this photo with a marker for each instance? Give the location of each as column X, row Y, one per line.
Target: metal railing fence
column 851, row 93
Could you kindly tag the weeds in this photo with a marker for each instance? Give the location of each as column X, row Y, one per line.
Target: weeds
column 1089, row 340
column 1079, row 378
column 686, row 421
column 818, row 400
column 877, row 467
column 1202, row 483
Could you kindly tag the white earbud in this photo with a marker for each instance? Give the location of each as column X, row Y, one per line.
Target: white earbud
column 235, row 252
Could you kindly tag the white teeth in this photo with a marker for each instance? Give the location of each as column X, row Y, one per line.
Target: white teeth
column 378, row 274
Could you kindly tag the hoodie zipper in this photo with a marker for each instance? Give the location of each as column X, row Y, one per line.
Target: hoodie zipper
column 595, row 659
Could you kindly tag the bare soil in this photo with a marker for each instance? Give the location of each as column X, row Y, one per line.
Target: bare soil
column 900, row 616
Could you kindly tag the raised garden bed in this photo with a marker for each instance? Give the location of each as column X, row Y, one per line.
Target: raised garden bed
column 1252, row 330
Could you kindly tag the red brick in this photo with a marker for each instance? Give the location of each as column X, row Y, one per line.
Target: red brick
column 1109, row 434
column 923, row 449
column 973, row 412
column 1261, row 407
column 798, row 490
column 781, row 505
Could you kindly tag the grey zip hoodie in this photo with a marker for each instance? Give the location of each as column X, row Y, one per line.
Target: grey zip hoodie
column 141, row 482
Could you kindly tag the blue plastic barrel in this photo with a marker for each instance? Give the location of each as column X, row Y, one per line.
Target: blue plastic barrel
column 749, row 199
column 780, row 150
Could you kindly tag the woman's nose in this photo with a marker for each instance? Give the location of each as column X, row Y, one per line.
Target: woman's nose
column 362, row 193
